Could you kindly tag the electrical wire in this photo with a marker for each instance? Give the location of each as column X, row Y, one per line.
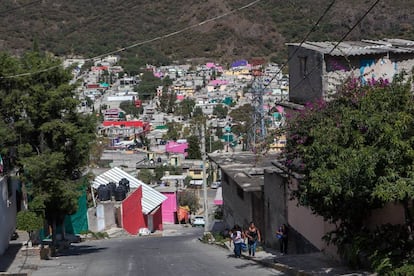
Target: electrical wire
column 339, row 42
column 146, row 41
column 315, row 25
column 330, row 52
column 19, row 7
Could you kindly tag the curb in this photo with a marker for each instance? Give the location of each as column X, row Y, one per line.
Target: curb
column 288, row 270
column 280, row 267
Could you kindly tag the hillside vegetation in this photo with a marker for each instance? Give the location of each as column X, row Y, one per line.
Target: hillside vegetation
column 95, row 27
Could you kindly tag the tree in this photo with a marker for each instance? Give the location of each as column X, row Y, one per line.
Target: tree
column 356, row 154
column 198, row 111
column 194, row 147
column 188, row 198
column 167, row 102
column 220, row 111
column 129, row 108
column 148, row 86
column 29, row 221
column 242, row 121
column 146, row 176
column 173, row 133
column 47, row 139
column 185, row 108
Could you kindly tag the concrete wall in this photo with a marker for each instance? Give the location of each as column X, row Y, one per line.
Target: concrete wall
column 8, row 212
column 236, row 210
column 304, row 63
column 305, row 228
column 274, row 206
column 391, row 213
column 101, row 217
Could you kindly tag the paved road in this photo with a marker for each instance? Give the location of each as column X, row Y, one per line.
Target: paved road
column 171, row 255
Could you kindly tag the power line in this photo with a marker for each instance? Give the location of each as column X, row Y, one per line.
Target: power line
column 19, row 7
column 303, row 41
column 259, row 133
column 252, row 125
column 341, row 40
column 149, row 40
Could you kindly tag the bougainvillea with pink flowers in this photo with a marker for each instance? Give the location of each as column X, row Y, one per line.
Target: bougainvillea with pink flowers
column 356, row 153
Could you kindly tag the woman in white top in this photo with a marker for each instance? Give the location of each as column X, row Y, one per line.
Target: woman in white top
column 237, row 237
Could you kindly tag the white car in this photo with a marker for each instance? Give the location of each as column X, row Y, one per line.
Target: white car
column 198, row 221
column 215, row 185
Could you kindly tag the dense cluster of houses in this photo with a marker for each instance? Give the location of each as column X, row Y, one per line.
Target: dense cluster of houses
column 254, row 188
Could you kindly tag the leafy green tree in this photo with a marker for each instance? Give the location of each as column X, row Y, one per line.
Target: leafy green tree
column 129, row 108
column 29, row 221
column 220, row 111
column 148, row 86
column 146, row 176
column 173, row 133
column 242, row 121
column 185, row 108
column 190, row 199
column 167, row 102
column 167, row 81
column 198, row 111
column 356, row 154
column 194, row 151
column 47, row 139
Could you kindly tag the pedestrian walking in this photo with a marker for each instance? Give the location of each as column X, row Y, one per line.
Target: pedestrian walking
column 253, row 237
column 282, row 235
column 237, row 238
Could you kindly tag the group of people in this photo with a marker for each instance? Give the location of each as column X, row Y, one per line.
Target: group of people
column 252, row 234
column 239, row 236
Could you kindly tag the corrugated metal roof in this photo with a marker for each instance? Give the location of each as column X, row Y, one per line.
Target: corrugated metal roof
column 364, row 47
column 151, row 198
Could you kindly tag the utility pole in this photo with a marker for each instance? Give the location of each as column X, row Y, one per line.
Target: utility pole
column 203, row 154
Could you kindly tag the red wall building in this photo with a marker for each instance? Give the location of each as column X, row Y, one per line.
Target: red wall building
column 132, row 217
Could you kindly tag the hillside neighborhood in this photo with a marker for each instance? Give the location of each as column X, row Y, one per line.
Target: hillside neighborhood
column 212, row 133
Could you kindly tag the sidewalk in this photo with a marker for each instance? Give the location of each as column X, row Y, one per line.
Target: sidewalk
column 303, row 264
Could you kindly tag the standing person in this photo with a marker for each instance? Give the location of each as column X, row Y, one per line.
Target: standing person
column 253, row 236
column 282, row 235
column 237, row 238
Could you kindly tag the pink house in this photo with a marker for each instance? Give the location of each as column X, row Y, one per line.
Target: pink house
column 169, row 206
column 179, row 147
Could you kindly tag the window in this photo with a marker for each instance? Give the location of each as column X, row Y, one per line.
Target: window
column 303, row 61
column 240, row 192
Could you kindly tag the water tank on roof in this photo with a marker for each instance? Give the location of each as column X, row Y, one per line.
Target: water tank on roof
column 111, row 188
column 125, row 182
column 120, row 193
column 103, row 193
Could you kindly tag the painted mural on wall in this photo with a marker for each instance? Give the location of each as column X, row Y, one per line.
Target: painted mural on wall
column 382, row 68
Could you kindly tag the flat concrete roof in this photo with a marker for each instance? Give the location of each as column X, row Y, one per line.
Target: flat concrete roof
column 245, row 168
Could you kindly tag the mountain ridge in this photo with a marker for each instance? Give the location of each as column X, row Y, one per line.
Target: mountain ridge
column 95, row 27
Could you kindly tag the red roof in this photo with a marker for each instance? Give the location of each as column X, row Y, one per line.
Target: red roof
column 126, row 123
column 92, row 85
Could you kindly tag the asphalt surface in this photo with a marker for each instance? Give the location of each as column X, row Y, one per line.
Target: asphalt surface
column 178, row 251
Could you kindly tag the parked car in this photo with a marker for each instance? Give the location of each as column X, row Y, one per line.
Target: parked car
column 215, row 185
column 198, row 221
